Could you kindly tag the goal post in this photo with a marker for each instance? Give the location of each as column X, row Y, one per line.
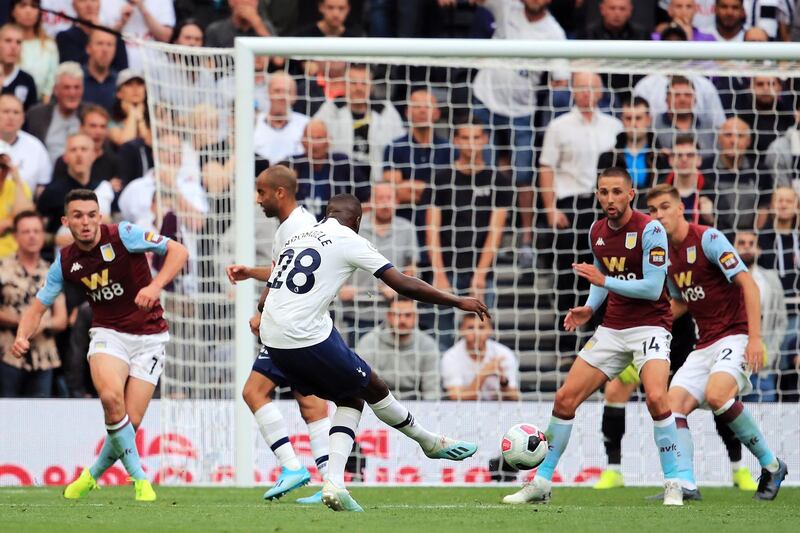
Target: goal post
column 192, row 92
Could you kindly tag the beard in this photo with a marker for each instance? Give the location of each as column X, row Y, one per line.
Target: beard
column 748, row 259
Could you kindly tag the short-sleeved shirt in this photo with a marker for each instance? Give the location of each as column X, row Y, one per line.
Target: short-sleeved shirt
column 32, row 160
column 312, row 267
column 459, row 369
column 572, row 147
column 8, row 194
column 417, row 162
column 700, row 271
column 102, row 93
column 17, row 288
column 316, row 186
column 467, row 203
column 275, row 145
column 111, row 275
column 21, row 84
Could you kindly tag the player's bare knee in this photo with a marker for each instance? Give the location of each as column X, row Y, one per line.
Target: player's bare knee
column 313, row 410
column 565, row 404
column 716, row 399
column 255, row 396
column 113, row 402
column 136, row 420
column 657, row 402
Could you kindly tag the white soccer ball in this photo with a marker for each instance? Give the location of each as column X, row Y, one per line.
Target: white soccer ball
column 524, row 446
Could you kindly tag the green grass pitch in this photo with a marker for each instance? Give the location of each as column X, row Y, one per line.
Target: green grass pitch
column 574, row 510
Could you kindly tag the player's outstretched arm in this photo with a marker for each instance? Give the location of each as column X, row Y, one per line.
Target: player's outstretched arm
column 422, row 292
column 237, row 273
column 28, row 325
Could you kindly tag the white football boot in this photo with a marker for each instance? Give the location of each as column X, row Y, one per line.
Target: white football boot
column 673, row 493
column 536, row 491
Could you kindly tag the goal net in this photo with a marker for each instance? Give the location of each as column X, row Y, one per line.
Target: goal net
column 475, row 163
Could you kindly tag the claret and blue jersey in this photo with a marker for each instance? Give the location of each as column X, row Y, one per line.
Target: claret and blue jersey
column 111, row 274
column 701, row 269
column 634, row 260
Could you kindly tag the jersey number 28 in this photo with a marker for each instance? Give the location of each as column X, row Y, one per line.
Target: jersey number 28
column 289, row 258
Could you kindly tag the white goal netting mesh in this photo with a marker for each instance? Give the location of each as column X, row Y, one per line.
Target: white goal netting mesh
column 452, row 161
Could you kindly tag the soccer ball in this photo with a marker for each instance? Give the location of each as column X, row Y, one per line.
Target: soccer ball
column 524, row 446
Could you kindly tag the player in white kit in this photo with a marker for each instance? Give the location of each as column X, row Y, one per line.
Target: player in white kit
column 298, row 333
column 275, row 189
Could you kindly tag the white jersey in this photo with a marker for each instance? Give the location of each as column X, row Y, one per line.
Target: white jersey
column 298, row 220
column 312, row 267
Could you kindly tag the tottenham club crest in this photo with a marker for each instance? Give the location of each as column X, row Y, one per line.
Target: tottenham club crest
column 691, row 254
column 107, row 251
column 630, row 240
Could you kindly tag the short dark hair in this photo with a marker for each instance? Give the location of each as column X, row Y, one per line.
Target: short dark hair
column 685, row 138
column 680, row 80
column 616, row 172
column 88, row 109
column 79, row 194
column 634, row 101
column 661, row 189
column 28, row 213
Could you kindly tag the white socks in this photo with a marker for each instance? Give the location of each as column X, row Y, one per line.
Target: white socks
column 273, row 429
column 391, row 412
column 343, row 435
column 318, row 433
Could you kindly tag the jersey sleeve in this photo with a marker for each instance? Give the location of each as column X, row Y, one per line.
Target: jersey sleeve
column 654, row 267
column 719, row 250
column 136, row 240
column 597, row 295
column 53, row 285
column 362, row 254
column 674, row 293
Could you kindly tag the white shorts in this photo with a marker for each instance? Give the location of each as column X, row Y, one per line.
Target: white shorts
column 725, row 355
column 143, row 353
column 611, row 350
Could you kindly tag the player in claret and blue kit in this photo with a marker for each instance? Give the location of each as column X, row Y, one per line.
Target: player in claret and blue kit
column 298, row 333
column 709, row 280
column 128, row 333
column 630, row 267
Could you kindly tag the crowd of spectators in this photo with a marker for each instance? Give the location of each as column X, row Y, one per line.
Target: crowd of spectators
column 454, row 165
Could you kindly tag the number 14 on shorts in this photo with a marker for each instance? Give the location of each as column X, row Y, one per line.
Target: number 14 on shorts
column 652, row 345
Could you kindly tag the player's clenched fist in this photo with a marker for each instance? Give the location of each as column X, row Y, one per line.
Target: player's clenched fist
column 576, row 317
column 20, row 347
column 473, row 305
column 147, row 297
column 255, row 324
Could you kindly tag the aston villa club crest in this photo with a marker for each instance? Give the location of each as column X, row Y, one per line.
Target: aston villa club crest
column 107, row 251
column 630, row 240
column 691, row 254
